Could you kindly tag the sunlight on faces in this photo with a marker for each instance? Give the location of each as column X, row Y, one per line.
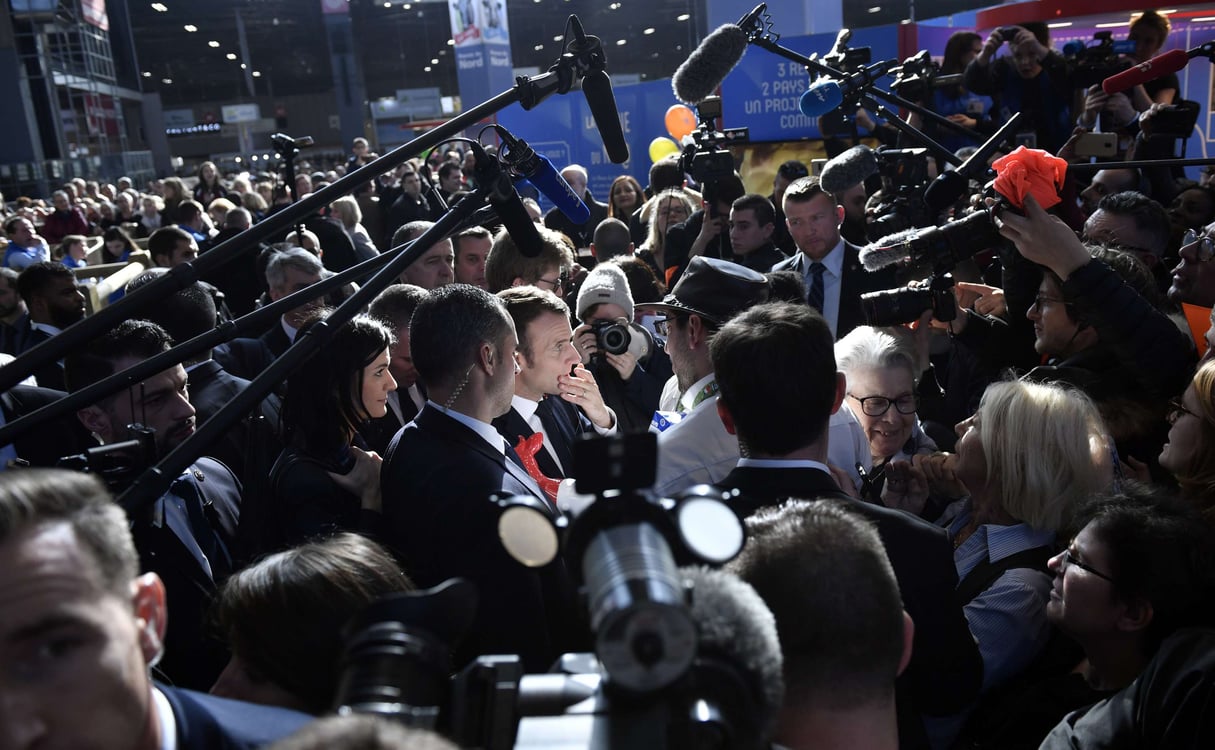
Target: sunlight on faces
column 377, row 384
column 550, row 355
column 889, row 432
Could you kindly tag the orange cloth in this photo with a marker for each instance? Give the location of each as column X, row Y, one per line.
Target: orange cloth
column 527, row 449
column 1199, row 319
column 1029, row 171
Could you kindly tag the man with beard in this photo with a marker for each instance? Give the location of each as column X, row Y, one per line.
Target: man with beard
column 54, row 302
column 186, row 535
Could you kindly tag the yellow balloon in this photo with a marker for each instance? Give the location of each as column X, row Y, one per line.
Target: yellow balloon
column 660, row 148
column 680, row 121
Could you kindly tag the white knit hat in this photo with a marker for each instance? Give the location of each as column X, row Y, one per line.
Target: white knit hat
column 605, row 283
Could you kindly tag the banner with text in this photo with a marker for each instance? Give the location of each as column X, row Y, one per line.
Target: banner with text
column 482, row 48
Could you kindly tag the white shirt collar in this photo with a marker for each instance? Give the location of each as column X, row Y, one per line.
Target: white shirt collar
column 686, row 397
column 783, row 463
column 166, row 720
column 834, row 260
column 484, row 429
column 50, row 329
column 288, row 329
column 525, row 406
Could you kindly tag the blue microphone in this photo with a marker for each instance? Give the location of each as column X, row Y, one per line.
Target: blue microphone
column 821, row 97
column 526, row 164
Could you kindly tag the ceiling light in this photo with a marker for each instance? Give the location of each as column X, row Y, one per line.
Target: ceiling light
column 147, row 74
column 256, row 74
column 213, row 44
column 1112, row 25
column 876, row 9
column 1204, row 18
column 538, row 47
column 621, row 42
column 160, row 7
column 387, row 5
column 558, row 38
column 682, row 17
column 243, row 66
column 426, row 69
column 166, row 81
column 406, row 6
column 191, row 28
column 231, row 55
column 648, row 31
column 434, row 61
column 614, row 6
column 1059, row 25
column 451, row 42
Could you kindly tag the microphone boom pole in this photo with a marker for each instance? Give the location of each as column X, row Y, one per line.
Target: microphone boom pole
column 528, row 91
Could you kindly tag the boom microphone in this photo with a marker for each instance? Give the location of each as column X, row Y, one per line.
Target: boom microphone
column 506, row 202
column 737, row 638
column 704, row 70
column 539, row 171
column 949, row 186
column 597, row 88
column 826, row 95
column 852, row 167
column 1160, row 65
column 944, row 245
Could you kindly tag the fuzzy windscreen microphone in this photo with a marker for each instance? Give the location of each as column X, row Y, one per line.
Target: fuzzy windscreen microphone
column 852, row 167
column 736, row 626
column 704, row 70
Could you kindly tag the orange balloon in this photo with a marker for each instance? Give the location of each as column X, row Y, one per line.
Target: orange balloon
column 680, row 121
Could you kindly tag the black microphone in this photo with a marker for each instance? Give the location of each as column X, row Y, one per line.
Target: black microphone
column 709, row 64
column 738, row 636
column 597, row 88
column 852, row 167
column 506, row 202
column 949, row 186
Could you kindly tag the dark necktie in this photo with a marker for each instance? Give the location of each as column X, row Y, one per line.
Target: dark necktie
column 816, row 293
column 201, row 529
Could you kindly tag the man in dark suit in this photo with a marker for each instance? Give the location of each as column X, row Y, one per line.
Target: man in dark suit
column 831, row 266
column 580, row 234
column 80, row 631
column 554, row 394
column 45, row 444
column 14, row 319
column 54, row 302
column 787, row 350
column 442, row 467
column 188, row 535
column 287, row 272
column 394, row 307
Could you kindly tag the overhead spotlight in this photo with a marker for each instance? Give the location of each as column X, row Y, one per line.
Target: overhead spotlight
column 160, row 7
column 621, row 42
column 682, row 17
column 648, row 31
column 231, row 55
column 256, row 74
column 166, row 81
column 191, row 28
column 213, row 44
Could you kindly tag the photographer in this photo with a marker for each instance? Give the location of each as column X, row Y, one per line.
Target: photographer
column 707, row 230
column 1033, row 79
column 631, row 387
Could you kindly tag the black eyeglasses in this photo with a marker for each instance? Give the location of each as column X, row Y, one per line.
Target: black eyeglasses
column 876, row 406
column 1176, row 409
column 1042, row 299
column 663, row 326
column 557, row 284
column 1069, row 558
column 1206, row 246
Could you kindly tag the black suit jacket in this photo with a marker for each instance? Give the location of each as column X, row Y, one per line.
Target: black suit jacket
column 855, row 281
column 247, row 358
column 45, row 444
column 436, row 481
column 205, row 722
column 49, row 375
column 563, row 428
column 211, row 387
column 945, row 669
column 192, row 658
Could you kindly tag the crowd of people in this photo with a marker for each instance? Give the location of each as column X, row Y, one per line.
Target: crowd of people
column 989, row 525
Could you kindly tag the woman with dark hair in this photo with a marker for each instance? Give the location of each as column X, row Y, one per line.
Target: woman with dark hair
column 956, row 103
column 117, row 246
column 283, row 619
column 210, row 186
column 323, row 482
column 1139, row 569
column 624, row 197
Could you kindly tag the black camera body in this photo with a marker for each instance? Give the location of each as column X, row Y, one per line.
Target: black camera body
column 707, row 157
column 892, row 307
column 904, row 173
column 611, row 337
column 1092, row 64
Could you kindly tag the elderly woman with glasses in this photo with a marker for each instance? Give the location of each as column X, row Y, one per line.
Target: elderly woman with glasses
column 882, row 370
